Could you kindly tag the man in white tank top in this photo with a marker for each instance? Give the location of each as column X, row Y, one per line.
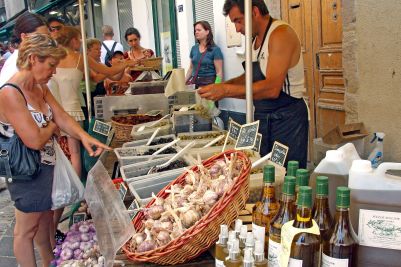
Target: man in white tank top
column 278, row 80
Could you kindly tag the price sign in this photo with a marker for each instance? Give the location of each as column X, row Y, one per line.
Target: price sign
column 101, row 128
column 78, row 217
column 234, row 129
column 257, row 143
column 133, row 209
column 153, row 113
column 122, row 191
column 247, row 136
column 279, row 153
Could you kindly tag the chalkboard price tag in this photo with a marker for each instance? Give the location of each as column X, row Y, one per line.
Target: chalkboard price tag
column 234, row 129
column 78, row 217
column 110, row 137
column 257, row 143
column 247, row 136
column 133, row 209
column 279, row 153
column 122, row 190
column 153, row 113
column 102, row 128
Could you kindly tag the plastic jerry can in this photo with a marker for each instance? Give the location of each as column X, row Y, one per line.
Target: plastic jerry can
column 335, row 166
column 376, row 213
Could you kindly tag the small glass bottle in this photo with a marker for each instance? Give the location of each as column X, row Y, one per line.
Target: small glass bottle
column 342, row 246
column 292, row 167
column 234, row 256
column 221, row 245
column 304, row 246
column 260, row 260
column 266, row 208
column 248, row 258
column 321, row 211
column 242, row 237
column 231, row 237
column 285, row 214
column 302, row 177
column 237, row 227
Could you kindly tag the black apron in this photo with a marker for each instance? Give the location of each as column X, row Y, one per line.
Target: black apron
column 284, row 119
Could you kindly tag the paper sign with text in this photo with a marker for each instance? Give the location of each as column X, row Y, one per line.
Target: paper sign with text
column 101, row 128
column 247, row 136
column 279, row 153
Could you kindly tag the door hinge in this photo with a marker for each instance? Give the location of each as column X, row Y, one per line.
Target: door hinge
column 318, row 61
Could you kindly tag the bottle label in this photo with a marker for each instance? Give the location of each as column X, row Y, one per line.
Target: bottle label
column 380, row 229
column 287, row 235
column 258, row 232
column 333, row 262
column 274, row 253
column 219, row 263
column 294, row 263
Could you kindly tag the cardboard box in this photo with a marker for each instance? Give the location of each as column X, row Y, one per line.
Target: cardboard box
column 345, row 133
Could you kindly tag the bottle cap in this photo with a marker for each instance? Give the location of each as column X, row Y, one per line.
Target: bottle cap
column 292, row 167
column 342, row 197
column 304, row 197
column 322, row 186
column 224, row 230
column 290, row 178
column 243, row 232
column 268, row 174
column 289, row 186
column 234, row 246
column 238, row 224
column 249, row 242
column 302, row 177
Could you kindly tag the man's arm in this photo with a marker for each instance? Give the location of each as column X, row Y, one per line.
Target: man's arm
column 284, row 53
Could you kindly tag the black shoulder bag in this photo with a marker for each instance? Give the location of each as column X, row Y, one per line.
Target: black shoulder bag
column 17, row 161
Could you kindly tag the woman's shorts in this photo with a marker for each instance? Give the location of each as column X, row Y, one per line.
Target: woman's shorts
column 34, row 195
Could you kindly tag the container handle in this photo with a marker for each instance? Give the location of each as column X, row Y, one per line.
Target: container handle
column 385, row 166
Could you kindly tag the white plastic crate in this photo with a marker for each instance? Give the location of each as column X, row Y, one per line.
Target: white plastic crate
column 144, row 141
column 165, row 128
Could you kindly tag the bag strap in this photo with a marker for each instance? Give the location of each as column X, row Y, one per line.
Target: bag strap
column 112, row 48
column 198, row 67
column 5, row 161
column 16, row 87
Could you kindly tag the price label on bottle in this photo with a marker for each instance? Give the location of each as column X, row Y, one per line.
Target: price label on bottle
column 332, row 262
column 259, row 233
column 274, row 253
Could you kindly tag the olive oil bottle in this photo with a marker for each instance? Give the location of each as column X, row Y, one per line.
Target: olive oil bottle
column 321, row 211
column 340, row 249
column 234, row 256
column 221, row 245
column 304, row 246
column 266, row 208
column 302, row 176
column 285, row 214
column 292, row 167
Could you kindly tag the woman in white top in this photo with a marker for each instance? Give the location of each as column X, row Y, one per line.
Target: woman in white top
column 68, row 77
column 30, row 111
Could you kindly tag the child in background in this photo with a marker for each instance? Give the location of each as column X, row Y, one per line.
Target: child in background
column 118, row 87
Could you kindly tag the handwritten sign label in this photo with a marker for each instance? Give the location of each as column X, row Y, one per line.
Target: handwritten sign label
column 233, row 130
column 279, row 153
column 257, row 143
column 122, row 191
column 153, row 113
column 101, row 128
column 78, row 217
column 247, row 136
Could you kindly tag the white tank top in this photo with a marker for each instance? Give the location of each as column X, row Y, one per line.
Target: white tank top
column 294, row 82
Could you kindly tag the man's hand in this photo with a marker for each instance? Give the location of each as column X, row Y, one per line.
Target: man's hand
column 212, row 92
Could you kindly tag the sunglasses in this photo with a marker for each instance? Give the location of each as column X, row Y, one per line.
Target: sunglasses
column 55, row 28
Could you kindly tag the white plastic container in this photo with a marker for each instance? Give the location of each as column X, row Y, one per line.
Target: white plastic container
column 376, row 213
column 335, row 166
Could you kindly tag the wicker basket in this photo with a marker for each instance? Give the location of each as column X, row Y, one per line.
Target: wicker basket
column 205, row 232
column 154, row 63
column 123, row 131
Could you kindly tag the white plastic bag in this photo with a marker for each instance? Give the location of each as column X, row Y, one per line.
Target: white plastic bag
column 67, row 187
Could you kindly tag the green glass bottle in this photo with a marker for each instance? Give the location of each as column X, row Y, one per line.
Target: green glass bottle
column 321, row 211
column 285, row 214
column 342, row 246
column 266, row 208
column 305, row 247
column 302, row 176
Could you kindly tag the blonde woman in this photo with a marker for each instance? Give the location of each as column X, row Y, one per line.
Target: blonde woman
column 30, row 111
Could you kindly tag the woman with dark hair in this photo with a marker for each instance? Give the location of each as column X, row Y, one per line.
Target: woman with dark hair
column 136, row 51
column 206, row 65
column 25, row 24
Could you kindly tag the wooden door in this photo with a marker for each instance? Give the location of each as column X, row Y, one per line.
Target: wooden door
column 319, row 26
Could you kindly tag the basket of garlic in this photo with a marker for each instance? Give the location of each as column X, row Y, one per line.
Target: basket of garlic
column 184, row 219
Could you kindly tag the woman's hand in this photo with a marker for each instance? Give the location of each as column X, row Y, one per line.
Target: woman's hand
column 147, row 53
column 93, row 146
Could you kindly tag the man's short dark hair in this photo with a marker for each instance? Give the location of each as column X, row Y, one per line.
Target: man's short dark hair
column 53, row 19
column 116, row 53
column 260, row 4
